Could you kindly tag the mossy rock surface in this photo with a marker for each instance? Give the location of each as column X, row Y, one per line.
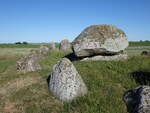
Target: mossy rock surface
column 100, row 39
column 65, row 82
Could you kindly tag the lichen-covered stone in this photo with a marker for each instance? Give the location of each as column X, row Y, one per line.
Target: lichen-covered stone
column 106, row 58
column 138, row 100
column 65, row 45
column 52, row 46
column 65, row 82
column 28, row 64
column 100, row 39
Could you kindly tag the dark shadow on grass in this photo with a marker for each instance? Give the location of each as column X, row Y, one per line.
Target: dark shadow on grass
column 72, row 57
column 48, row 80
column 141, row 77
column 132, row 100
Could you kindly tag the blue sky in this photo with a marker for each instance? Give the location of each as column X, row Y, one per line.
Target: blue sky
column 55, row 20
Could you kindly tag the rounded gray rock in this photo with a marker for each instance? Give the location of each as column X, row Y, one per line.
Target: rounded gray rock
column 43, row 50
column 65, row 82
column 100, row 39
column 52, row 46
column 138, row 100
column 65, row 45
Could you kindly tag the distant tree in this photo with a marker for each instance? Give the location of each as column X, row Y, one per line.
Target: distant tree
column 24, row 42
column 18, row 43
column 146, row 40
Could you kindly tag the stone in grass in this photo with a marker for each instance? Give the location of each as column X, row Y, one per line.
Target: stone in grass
column 40, row 52
column 65, row 82
column 52, row 46
column 138, row 100
column 28, row 64
column 145, row 53
column 100, row 39
column 43, row 50
column 65, row 45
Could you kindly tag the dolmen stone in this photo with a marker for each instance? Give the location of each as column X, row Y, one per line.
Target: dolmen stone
column 52, row 46
column 28, row 64
column 145, row 53
column 138, row 100
column 107, row 58
column 65, row 45
column 99, row 40
column 65, row 82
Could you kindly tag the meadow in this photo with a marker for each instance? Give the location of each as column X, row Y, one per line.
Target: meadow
column 106, row 82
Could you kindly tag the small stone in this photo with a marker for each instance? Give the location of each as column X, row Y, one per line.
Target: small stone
column 43, row 50
column 65, row 82
column 145, row 53
column 52, row 46
column 65, row 45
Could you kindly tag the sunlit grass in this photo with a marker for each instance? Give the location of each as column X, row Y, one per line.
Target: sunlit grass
column 106, row 83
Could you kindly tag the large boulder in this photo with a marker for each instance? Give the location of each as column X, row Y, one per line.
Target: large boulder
column 65, row 82
column 138, row 100
column 28, row 64
column 100, row 39
column 65, row 45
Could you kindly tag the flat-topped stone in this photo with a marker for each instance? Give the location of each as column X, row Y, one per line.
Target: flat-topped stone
column 106, row 58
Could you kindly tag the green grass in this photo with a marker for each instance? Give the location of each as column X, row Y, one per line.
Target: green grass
column 137, row 43
column 20, row 45
column 131, row 44
column 106, row 83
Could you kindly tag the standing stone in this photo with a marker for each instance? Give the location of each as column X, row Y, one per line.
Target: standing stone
column 65, row 82
column 65, row 45
column 43, row 50
column 52, row 46
column 100, row 39
column 28, row 63
column 138, row 100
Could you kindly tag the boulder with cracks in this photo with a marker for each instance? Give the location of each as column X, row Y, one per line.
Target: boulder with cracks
column 65, row 82
column 100, row 40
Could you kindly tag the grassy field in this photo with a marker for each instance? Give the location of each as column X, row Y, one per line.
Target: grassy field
column 20, row 45
column 30, row 45
column 142, row 43
column 106, row 82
